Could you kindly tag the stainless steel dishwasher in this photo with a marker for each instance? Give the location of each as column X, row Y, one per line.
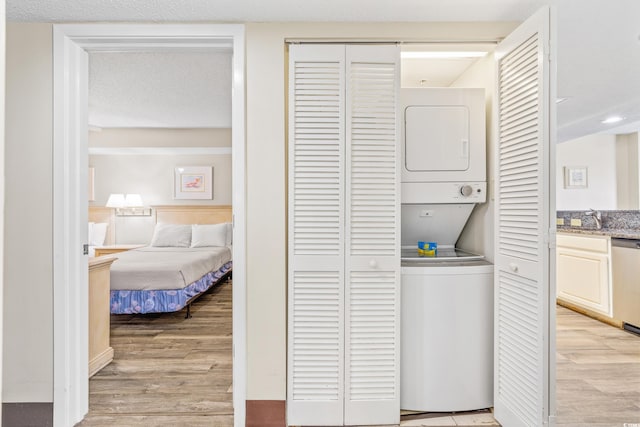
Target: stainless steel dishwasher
column 625, row 260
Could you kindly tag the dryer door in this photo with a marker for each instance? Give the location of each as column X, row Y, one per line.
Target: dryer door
column 437, row 138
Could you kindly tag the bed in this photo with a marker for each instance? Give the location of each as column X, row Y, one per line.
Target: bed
column 189, row 253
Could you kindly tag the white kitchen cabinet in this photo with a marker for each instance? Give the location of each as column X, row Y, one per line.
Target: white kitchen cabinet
column 584, row 271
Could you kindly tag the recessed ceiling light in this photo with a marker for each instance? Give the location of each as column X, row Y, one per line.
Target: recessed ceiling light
column 612, row 119
column 437, row 54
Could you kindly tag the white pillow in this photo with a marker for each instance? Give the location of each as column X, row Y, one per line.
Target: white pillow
column 174, row 235
column 98, row 233
column 208, row 235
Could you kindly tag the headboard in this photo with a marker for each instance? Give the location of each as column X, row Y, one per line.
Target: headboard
column 182, row 214
column 102, row 214
column 187, row 214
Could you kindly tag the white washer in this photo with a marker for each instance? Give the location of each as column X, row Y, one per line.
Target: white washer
column 447, row 335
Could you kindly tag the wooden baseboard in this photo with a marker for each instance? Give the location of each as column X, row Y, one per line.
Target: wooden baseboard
column 265, row 413
column 100, row 361
column 27, row 414
column 590, row 313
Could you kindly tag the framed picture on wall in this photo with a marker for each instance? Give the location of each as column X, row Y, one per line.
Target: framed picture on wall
column 193, row 182
column 575, row 177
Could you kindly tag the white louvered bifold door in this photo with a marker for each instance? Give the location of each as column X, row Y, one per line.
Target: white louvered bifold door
column 315, row 392
column 524, row 200
column 344, row 242
column 372, row 276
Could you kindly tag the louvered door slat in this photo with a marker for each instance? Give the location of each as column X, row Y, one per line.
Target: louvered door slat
column 316, row 347
column 523, row 206
column 372, row 348
column 519, row 380
column 315, row 392
column 372, row 240
column 525, row 153
column 372, row 127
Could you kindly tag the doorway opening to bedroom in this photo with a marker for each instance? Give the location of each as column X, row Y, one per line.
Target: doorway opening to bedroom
column 160, row 130
column 163, row 108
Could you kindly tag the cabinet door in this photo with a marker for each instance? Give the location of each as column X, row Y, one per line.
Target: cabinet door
column 583, row 279
column 372, row 315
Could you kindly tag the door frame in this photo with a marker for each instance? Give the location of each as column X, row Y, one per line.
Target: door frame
column 2, row 179
column 70, row 390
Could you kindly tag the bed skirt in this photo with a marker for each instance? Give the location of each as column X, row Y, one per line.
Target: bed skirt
column 164, row 301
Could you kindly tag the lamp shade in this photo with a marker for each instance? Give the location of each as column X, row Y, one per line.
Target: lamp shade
column 133, row 201
column 116, row 201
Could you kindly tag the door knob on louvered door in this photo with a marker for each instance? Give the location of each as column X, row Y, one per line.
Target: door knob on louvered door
column 514, row 267
column 373, row 263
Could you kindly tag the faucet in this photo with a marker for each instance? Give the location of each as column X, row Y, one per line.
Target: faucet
column 597, row 216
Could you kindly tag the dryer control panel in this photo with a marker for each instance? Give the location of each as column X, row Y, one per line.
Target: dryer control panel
column 444, row 192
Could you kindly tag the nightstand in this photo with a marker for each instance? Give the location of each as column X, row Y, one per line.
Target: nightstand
column 114, row 249
column 100, row 350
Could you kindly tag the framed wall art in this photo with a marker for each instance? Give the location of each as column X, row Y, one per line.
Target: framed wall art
column 193, row 182
column 575, row 177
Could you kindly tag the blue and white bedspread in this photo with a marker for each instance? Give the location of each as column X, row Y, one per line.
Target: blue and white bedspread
column 141, row 301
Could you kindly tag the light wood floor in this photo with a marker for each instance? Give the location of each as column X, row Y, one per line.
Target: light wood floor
column 168, row 370
column 598, row 373
column 171, row 371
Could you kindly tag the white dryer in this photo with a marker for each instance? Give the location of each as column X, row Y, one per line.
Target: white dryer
column 444, row 145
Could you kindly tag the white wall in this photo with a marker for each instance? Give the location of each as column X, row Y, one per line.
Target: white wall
column 266, row 175
column 152, row 176
column 627, row 176
column 28, row 280
column 147, row 137
column 28, row 342
column 598, row 153
column 477, row 236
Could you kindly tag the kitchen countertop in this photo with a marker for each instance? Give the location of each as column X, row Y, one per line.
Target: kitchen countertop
column 622, row 233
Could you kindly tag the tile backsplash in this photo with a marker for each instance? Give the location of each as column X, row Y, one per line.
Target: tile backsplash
column 615, row 220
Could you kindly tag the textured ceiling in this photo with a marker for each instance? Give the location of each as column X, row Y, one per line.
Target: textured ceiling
column 597, row 42
column 598, row 66
column 270, row 10
column 168, row 89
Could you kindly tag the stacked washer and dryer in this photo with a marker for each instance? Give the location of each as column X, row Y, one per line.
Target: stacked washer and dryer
column 447, row 299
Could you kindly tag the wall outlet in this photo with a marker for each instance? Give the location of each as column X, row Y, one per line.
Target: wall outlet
column 559, row 221
column 576, row 222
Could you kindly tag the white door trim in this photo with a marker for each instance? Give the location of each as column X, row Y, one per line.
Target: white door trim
column 70, row 397
column 2, row 180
